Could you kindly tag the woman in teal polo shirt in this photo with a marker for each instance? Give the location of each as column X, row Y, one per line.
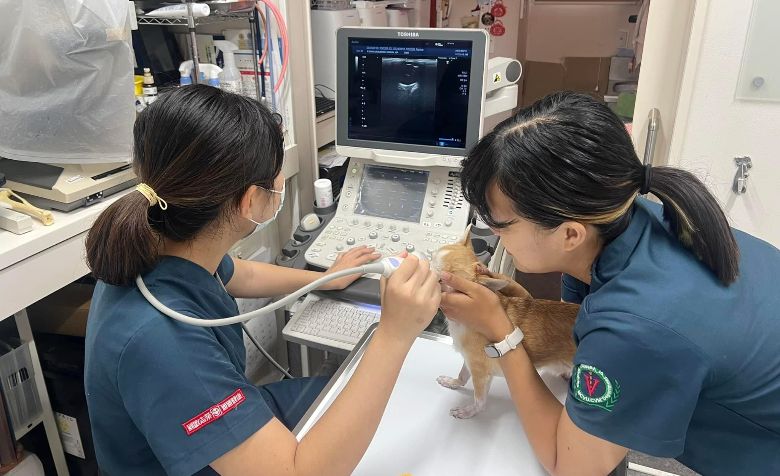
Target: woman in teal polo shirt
column 170, row 398
column 679, row 327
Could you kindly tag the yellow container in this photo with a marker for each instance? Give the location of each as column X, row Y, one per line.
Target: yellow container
column 139, row 84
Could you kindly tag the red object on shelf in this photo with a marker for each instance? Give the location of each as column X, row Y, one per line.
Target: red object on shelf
column 497, row 28
column 498, row 10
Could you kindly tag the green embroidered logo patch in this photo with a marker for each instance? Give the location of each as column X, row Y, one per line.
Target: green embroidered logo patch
column 592, row 387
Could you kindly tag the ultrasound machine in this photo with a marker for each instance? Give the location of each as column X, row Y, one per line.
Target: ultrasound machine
column 410, row 103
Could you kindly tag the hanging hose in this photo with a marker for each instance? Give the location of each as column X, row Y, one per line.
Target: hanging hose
column 282, row 26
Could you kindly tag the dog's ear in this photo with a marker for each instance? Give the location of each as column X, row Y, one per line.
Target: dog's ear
column 493, row 284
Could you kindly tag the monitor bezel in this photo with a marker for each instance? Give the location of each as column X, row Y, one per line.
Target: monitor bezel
column 366, row 148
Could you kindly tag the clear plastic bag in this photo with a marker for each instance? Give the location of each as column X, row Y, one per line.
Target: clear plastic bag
column 66, row 81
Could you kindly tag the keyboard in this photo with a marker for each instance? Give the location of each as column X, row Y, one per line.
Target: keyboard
column 330, row 323
column 323, row 105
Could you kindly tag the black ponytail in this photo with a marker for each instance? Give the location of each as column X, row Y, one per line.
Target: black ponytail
column 568, row 157
column 200, row 149
column 697, row 220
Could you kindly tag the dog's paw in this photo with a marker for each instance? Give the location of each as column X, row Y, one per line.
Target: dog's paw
column 466, row 412
column 449, row 382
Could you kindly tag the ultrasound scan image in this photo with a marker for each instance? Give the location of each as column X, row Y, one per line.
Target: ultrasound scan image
column 409, row 93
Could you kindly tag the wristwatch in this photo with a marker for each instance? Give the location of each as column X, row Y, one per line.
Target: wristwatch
column 510, row 342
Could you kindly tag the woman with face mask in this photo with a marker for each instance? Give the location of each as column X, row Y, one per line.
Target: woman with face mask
column 167, row 397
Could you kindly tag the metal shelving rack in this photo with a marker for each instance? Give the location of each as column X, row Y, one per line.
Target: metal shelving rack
column 215, row 17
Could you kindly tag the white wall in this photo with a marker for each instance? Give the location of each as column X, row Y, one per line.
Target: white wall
column 714, row 126
column 505, row 45
column 559, row 30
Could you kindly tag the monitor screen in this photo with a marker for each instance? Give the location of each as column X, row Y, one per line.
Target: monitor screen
column 389, row 192
column 410, row 91
column 416, row 94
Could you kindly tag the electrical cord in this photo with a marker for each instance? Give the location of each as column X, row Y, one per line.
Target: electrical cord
column 384, row 267
column 265, row 352
column 282, row 26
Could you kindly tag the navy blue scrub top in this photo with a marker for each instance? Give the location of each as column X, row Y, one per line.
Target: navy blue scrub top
column 672, row 363
column 163, row 396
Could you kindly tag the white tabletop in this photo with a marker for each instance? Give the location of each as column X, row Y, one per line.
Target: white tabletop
column 417, row 435
column 15, row 248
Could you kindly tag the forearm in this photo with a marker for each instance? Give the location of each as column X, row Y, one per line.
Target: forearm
column 537, row 407
column 256, row 280
column 337, row 442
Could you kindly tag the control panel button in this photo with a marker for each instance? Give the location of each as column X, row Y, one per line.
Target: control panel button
column 320, row 243
column 332, row 256
column 429, row 213
column 339, row 247
column 448, row 222
column 367, row 222
column 391, row 227
column 395, row 238
column 355, row 221
column 373, row 235
column 354, row 170
column 410, row 247
column 350, row 241
column 431, row 202
column 405, row 229
column 379, row 226
column 429, row 251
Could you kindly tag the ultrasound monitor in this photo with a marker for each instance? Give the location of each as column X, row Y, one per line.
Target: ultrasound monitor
column 416, row 93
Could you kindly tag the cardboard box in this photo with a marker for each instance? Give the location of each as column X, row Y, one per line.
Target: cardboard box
column 63, row 312
column 586, row 75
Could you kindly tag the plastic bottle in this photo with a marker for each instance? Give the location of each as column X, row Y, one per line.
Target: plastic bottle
column 149, row 87
column 212, row 72
column 185, row 72
column 230, row 80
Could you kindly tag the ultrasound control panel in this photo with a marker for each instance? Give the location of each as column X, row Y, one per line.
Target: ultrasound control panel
column 393, row 209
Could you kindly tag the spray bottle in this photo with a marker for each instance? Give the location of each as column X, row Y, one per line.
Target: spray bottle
column 231, row 76
column 185, row 72
column 212, row 73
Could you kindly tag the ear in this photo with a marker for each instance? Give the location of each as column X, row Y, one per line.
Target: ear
column 466, row 238
column 574, row 234
column 492, row 283
column 247, row 200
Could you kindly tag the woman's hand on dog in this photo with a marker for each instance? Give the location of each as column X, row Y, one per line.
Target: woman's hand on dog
column 476, row 307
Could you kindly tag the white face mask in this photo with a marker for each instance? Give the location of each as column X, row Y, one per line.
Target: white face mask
column 260, row 226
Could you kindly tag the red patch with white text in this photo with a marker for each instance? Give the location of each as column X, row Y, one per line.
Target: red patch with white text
column 214, row 413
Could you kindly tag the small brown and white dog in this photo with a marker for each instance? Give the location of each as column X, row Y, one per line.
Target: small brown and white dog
column 547, row 327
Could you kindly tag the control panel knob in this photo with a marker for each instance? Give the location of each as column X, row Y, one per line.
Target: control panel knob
column 395, row 238
column 448, row 222
column 373, row 235
column 350, row 241
column 410, row 247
